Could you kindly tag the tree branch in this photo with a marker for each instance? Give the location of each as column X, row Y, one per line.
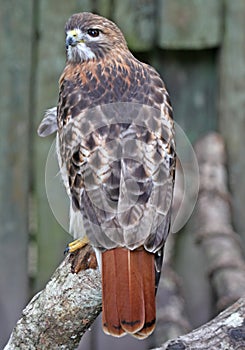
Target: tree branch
column 226, row 331
column 58, row 316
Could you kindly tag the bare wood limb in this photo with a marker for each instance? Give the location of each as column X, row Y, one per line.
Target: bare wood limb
column 221, row 245
column 226, row 331
column 58, row 316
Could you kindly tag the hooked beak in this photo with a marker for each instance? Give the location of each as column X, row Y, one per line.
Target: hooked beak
column 72, row 39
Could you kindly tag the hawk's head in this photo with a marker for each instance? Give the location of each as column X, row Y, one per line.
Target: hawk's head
column 89, row 36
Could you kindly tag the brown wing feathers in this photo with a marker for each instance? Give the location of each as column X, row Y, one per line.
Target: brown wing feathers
column 128, row 287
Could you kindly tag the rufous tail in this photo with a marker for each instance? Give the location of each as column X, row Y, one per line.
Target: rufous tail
column 128, row 292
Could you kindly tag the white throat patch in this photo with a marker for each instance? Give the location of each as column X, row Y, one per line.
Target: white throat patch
column 81, row 50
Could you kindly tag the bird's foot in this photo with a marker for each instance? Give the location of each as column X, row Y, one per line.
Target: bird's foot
column 77, row 244
column 83, row 258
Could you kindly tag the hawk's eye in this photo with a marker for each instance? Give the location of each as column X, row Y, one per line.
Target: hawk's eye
column 93, row 32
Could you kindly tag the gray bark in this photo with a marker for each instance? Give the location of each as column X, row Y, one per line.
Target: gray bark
column 58, row 316
column 226, row 332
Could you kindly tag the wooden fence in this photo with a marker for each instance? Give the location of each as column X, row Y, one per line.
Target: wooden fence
column 198, row 47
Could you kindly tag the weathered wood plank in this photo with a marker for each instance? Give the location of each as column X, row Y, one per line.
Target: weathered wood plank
column 232, row 104
column 51, row 239
column 191, row 78
column 190, row 24
column 15, row 56
column 137, row 21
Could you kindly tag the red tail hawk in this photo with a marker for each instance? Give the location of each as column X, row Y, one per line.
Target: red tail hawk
column 116, row 151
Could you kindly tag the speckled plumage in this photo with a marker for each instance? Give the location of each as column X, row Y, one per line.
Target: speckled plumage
column 116, row 151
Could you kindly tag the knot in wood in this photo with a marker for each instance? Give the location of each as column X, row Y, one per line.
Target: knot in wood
column 237, row 333
column 176, row 345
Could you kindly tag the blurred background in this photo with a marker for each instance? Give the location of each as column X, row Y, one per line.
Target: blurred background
column 199, row 49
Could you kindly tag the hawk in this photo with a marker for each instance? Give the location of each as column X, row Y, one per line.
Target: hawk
column 116, row 152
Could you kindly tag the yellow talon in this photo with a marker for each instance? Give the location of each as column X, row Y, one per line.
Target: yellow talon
column 77, row 244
